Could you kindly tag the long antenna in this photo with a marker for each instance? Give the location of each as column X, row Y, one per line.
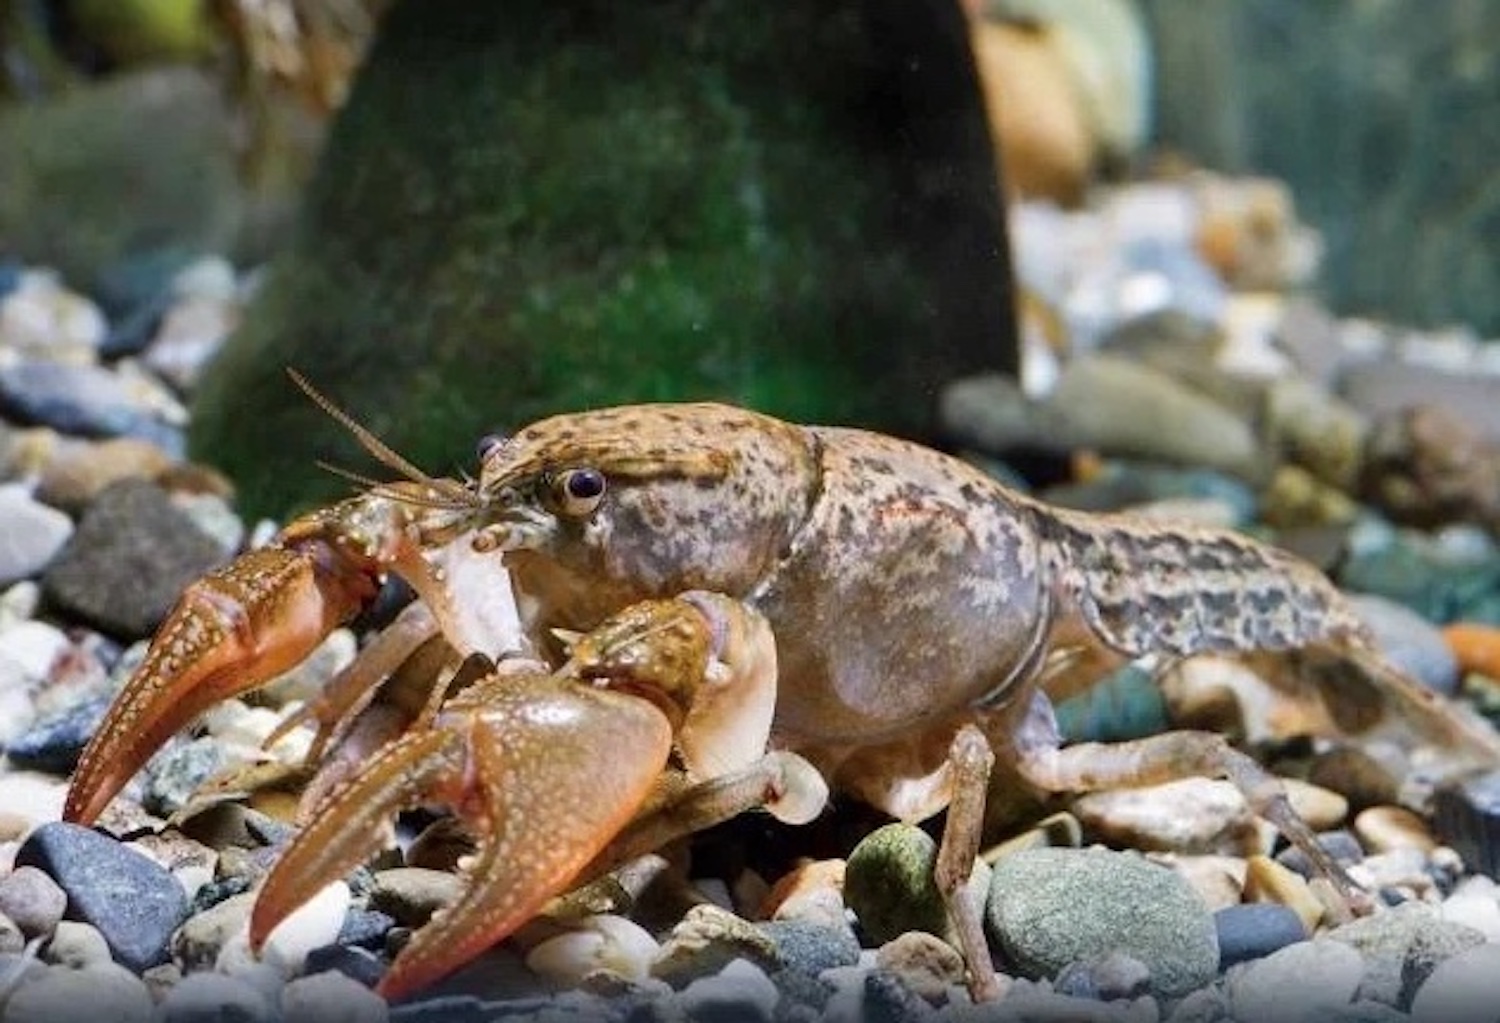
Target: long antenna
column 378, row 448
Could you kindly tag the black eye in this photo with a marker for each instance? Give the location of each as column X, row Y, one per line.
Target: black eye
column 487, row 445
column 579, row 491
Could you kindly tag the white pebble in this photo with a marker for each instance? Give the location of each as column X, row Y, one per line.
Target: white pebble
column 36, row 646
column 214, row 996
column 1461, row 989
column 331, row 997
column 1475, row 902
column 98, row 994
column 737, row 991
column 76, row 945
column 601, row 942
column 43, row 318
column 315, row 923
column 1297, row 982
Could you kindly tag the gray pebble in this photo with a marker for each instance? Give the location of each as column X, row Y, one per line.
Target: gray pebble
column 1461, row 990
column 1409, row 641
column 98, row 994
column 214, row 998
column 1300, row 982
column 90, row 401
column 129, row 560
column 77, row 945
column 331, row 998
column 741, row 992
column 12, row 941
column 33, row 900
column 200, row 939
column 1387, row 943
column 33, row 533
column 1051, row 907
column 1106, row 978
column 810, row 947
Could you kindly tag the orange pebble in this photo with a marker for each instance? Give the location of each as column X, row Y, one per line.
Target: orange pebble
column 1476, row 646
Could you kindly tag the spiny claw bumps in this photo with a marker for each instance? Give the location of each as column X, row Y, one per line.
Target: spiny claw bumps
column 231, row 631
column 522, row 761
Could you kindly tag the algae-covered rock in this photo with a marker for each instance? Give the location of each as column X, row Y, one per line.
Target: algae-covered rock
column 530, row 207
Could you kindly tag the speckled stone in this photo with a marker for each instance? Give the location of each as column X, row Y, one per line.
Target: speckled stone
column 889, row 885
column 1051, row 907
column 129, row 560
column 133, row 901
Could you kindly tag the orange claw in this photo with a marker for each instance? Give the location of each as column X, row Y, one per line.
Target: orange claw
column 544, row 769
column 231, row 631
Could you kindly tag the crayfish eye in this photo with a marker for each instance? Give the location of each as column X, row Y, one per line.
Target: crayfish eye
column 487, row 444
column 579, row 491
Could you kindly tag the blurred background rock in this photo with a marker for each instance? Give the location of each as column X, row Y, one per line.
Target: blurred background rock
column 523, row 210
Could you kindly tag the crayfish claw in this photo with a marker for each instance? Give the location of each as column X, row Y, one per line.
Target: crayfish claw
column 231, row 631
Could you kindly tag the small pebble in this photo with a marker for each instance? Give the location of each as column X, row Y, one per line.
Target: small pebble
column 601, row 942
column 331, row 997
column 705, row 941
column 198, row 943
column 315, row 923
column 33, row 900
column 201, row 997
column 359, row 964
column 129, row 560
column 98, row 994
column 740, row 991
column 33, row 533
column 888, row 883
column 1296, row 983
column 1385, row 828
column 1106, row 978
column 1269, row 881
column 1461, row 989
column 76, row 945
column 1255, row 930
column 410, row 895
column 1191, row 815
column 927, row 964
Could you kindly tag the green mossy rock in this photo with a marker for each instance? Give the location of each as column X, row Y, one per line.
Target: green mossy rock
column 529, row 207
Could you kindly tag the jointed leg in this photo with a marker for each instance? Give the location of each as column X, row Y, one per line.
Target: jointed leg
column 970, row 759
column 1094, row 766
column 782, row 783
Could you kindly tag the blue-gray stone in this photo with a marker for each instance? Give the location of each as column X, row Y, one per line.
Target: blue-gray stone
column 1409, row 641
column 889, row 999
column 356, row 963
column 365, row 928
column 89, row 401
column 809, row 947
column 132, row 900
column 1255, row 929
column 54, row 744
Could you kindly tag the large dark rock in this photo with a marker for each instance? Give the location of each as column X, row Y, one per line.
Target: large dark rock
column 528, row 207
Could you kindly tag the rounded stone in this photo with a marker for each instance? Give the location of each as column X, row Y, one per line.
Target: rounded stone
column 33, row 900
column 1254, row 930
column 888, row 883
column 1051, row 907
column 99, row 994
column 331, row 997
column 200, row 997
column 1302, row 981
column 1461, row 989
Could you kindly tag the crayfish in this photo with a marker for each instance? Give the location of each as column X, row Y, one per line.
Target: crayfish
column 882, row 611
